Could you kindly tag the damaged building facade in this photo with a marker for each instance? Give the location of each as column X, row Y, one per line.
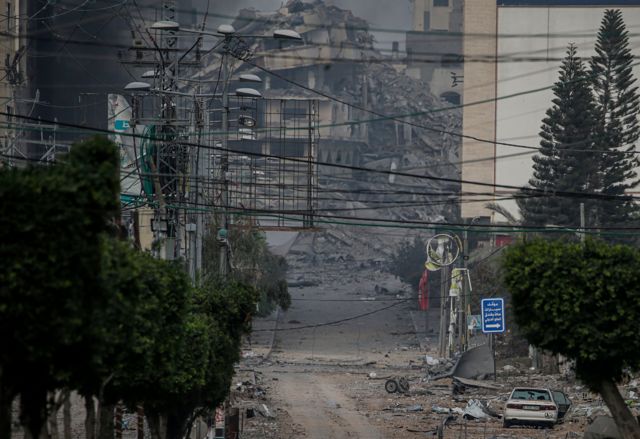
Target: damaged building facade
column 434, row 47
column 373, row 110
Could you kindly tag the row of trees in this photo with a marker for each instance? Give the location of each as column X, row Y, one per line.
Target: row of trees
column 588, row 138
column 581, row 300
column 82, row 310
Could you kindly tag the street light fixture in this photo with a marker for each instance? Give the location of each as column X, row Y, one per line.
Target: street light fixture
column 248, row 93
column 225, row 30
column 138, row 86
column 166, row 25
column 248, row 77
column 286, row 34
column 150, row 74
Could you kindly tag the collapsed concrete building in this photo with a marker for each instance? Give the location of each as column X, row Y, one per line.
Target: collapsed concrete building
column 372, row 113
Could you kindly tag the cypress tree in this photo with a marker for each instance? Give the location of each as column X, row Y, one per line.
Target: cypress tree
column 616, row 129
column 565, row 161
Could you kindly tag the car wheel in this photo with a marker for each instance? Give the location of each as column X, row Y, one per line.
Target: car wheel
column 506, row 424
column 391, row 386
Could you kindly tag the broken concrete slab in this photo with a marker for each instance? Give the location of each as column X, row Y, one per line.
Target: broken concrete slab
column 602, row 427
column 476, row 363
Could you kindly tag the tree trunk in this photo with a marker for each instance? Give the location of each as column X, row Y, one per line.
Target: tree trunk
column 52, row 424
column 105, row 413
column 626, row 422
column 155, row 425
column 177, row 424
column 6, row 398
column 118, row 422
column 56, row 400
column 66, row 415
column 33, row 411
column 90, row 419
column 140, row 426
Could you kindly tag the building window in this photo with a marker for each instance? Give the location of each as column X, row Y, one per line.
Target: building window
column 427, row 21
column 451, row 96
column 440, row 2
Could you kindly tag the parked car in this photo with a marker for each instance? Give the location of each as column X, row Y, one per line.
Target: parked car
column 530, row 406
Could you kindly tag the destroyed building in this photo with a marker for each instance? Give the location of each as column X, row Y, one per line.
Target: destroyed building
column 371, row 112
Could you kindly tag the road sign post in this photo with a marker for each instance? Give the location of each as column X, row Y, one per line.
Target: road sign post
column 493, row 315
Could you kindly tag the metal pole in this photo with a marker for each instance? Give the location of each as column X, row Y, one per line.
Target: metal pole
column 582, row 223
column 464, row 300
column 201, row 168
column 224, row 250
column 443, row 312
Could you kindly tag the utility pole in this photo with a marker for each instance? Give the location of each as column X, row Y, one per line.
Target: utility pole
column 224, row 223
column 464, row 302
column 444, row 295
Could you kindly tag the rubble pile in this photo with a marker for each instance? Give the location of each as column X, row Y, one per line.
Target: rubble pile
column 439, row 407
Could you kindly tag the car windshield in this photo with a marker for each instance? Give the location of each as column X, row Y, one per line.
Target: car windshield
column 531, row 394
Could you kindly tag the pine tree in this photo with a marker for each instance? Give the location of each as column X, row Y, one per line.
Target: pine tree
column 616, row 129
column 564, row 163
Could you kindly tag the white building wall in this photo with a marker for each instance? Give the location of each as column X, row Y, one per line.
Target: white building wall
column 542, row 33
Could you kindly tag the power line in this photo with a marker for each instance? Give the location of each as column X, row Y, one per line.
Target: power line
column 551, row 192
column 418, row 224
column 400, row 118
column 335, row 322
column 269, row 21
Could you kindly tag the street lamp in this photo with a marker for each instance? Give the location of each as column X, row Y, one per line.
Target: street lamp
column 138, row 86
column 224, row 30
column 248, row 93
column 228, row 33
column 248, row 77
column 150, row 74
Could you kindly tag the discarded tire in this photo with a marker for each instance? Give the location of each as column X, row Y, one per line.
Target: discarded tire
column 391, row 386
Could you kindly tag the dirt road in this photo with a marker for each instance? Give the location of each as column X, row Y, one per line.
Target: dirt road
column 316, row 358
column 320, row 408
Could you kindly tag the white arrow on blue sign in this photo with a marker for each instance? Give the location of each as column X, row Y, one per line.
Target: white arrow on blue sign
column 493, row 315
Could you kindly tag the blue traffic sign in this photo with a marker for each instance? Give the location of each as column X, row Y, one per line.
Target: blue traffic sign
column 493, row 315
column 121, row 125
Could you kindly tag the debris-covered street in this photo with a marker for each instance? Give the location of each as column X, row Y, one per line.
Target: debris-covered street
column 282, row 219
column 328, row 380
